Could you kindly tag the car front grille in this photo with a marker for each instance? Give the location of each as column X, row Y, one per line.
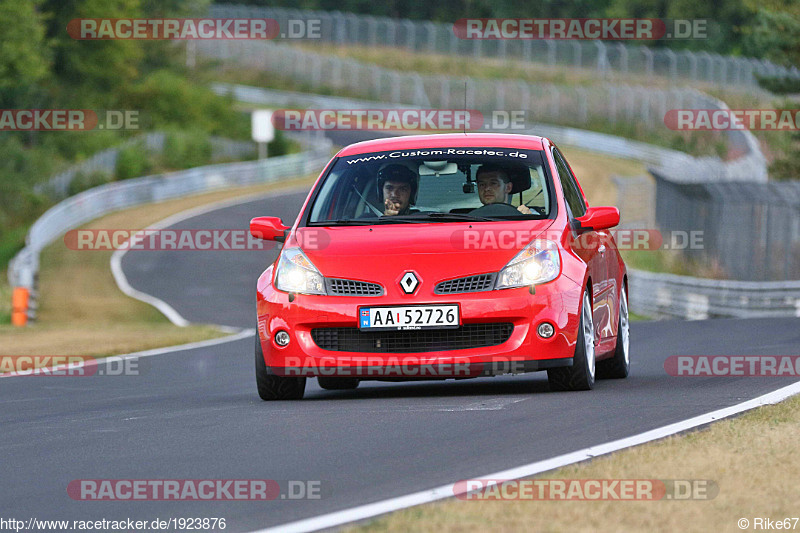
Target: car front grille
column 415, row 341
column 349, row 287
column 481, row 282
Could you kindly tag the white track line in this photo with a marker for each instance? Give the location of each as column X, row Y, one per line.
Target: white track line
column 166, row 309
column 372, row 510
column 161, row 305
column 243, row 334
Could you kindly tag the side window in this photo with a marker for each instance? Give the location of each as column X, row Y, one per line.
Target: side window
column 571, row 192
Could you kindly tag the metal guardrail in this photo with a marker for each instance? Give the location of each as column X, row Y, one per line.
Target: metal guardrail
column 678, row 165
column 654, row 294
column 547, row 102
column 600, row 58
column 81, row 208
column 651, row 294
column 106, row 160
column 670, row 296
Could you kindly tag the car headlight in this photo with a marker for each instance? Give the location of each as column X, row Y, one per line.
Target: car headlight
column 297, row 274
column 536, row 263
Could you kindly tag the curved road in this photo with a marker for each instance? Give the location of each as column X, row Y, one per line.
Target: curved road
column 195, row 413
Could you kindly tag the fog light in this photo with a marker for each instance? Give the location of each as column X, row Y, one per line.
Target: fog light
column 546, row 330
column 281, row 338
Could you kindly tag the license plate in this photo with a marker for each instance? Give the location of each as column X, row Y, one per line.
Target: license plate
column 408, row 317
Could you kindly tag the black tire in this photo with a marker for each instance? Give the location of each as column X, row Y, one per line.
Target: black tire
column 619, row 366
column 581, row 375
column 271, row 387
column 329, row 383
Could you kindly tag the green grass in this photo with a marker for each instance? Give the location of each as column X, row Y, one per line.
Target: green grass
column 81, row 309
column 752, row 458
column 5, row 298
column 672, row 262
column 637, row 318
column 12, row 242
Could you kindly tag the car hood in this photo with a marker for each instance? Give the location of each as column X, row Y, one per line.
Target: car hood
column 444, row 250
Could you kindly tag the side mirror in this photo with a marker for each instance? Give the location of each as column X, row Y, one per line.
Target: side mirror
column 597, row 218
column 268, row 228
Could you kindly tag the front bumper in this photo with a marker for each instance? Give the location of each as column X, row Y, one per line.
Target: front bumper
column 557, row 302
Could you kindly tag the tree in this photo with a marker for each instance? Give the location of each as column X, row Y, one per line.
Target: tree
column 776, row 32
column 24, row 59
column 93, row 68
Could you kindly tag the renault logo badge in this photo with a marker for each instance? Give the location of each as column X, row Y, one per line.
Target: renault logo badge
column 409, row 283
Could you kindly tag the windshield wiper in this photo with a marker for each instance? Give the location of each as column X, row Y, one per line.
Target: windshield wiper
column 446, row 217
column 363, row 221
column 344, row 222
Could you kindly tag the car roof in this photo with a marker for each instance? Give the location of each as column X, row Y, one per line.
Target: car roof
column 447, row 140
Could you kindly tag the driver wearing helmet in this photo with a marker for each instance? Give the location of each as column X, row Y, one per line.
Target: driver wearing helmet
column 397, row 186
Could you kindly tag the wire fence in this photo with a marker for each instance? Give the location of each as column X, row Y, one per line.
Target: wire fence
column 651, row 294
column 751, row 231
column 606, row 60
column 654, row 294
column 543, row 102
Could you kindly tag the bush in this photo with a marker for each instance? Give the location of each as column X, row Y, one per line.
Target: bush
column 186, row 150
column 788, row 166
column 169, row 100
column 280, row 145
column 11, row 242
column 132, row 162
column 83, row 181
column 75, row 146
column 780, row 85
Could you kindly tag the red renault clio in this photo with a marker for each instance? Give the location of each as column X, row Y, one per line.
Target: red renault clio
column 438, row 257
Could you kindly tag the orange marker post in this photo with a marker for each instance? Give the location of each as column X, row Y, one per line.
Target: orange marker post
column 19, row 306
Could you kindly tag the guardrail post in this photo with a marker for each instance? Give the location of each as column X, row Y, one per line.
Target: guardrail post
column 551, row 52
column 602, row 58
column 612, row 104
column 431, row 28
column 623, row 57
column 577, row 56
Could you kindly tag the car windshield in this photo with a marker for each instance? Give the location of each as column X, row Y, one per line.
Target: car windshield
column 434, row 185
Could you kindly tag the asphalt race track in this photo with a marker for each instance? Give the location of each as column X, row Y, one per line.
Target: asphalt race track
column 195, row 414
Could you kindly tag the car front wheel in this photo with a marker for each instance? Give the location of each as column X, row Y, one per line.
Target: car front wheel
column 271, row 387
column 579, row 376
column 619, row 365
